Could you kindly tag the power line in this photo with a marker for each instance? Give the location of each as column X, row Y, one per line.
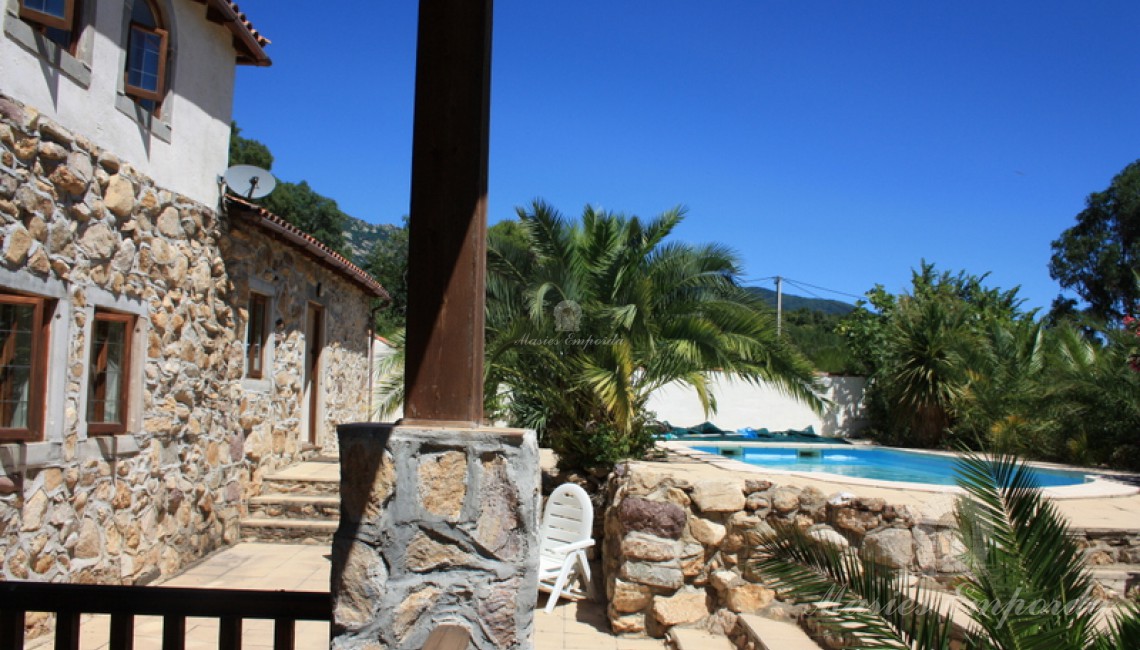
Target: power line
column 842, row 293
column 805, row 286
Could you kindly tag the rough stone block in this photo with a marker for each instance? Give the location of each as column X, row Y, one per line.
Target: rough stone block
column 851, row 520
column 785, row 499
column 813, row 502
column 425, row 554
column 368, row 479
column 119, row 197
column 443, row 483
column 719, row 495
column 665, row 520
column 827, row 534
column 497, row 527
column 748, row 598
column 629, row 624
column 707, row 532
column 687, row 606
column 665, row 576
column 893, row 547
column 650, row 548
column 629, row 597
column 358, row 581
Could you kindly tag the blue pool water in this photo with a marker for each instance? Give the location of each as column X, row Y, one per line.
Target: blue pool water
column 874, row 463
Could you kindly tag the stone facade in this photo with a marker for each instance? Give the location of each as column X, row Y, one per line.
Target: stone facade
column 437, row 526
column 86, row 232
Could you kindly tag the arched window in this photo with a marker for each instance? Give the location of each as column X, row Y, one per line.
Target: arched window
column 55, row 19
column 146, row 56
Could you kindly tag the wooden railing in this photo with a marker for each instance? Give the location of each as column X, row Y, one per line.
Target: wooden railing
column 174, row 604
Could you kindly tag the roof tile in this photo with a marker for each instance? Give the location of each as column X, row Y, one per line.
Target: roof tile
column 289, row 233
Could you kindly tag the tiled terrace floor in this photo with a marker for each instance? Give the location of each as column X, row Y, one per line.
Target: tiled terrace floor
column 572, row 626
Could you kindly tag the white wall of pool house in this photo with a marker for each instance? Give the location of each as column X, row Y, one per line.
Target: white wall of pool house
column 741, row 404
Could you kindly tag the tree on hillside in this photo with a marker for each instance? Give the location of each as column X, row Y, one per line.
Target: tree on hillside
column 816, row 335
column 314, row 213
column 585, row 319
column 1097, row 257
column 245, row 151
column 296, row 203
column 388, row 263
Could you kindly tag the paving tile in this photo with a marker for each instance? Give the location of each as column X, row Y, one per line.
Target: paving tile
column 571, row 626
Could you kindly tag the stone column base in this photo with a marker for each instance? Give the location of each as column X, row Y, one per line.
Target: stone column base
column 437, row 526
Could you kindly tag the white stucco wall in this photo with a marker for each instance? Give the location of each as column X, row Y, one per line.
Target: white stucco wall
column 83, row 93
column 744, row 405
column 380, row 350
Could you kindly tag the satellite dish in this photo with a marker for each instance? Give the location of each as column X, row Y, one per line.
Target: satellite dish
column 249, row 181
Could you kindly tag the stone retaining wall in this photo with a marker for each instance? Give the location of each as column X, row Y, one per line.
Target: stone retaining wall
column 85, row 230
column 677, row 552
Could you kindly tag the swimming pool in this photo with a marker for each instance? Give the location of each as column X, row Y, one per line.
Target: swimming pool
column 872, row 463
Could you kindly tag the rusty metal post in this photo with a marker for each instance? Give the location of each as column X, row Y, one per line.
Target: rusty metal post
column 448, row 217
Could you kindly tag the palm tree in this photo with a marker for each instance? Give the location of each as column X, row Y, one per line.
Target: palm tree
column 1018, row 550
column 1088, row 392
column 927, row 344
column 1000, row 405
column 585, row 320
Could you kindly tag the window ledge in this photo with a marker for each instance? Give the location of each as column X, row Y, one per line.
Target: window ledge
column 159, row 128
column 16, row 458
column 109, row 447
column 19, row 456
column 37, row 44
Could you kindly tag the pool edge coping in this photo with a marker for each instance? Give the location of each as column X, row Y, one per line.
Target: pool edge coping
column 1100, row 487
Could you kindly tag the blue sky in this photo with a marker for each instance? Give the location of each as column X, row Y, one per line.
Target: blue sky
column 834, row 143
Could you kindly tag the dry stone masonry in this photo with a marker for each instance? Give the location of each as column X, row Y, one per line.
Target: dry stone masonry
column 677, row 553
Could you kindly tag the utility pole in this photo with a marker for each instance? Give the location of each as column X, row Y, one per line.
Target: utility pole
column 779, row 305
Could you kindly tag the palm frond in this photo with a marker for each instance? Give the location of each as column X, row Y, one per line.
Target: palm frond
column 855, row 598
column 1019, row 550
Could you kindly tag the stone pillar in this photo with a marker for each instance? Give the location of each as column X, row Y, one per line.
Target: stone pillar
column 437, row 526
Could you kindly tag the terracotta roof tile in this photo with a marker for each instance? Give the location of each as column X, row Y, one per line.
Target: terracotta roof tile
column 291, row 234
column 249, row 42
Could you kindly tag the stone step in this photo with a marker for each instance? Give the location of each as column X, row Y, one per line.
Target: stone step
column 294, row 482
column 758, row 633
column 304, row 531
column 690, row 639
column 324, row 507
column 1119, row 578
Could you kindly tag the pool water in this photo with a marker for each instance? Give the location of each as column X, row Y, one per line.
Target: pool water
column 874, row 463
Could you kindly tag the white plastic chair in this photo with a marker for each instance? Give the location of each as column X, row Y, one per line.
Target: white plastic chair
column 567, row 524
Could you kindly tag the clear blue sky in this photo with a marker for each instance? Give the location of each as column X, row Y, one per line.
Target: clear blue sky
column 835, row 143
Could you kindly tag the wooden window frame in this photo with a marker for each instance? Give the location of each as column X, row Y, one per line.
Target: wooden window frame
column 263, row 336
column 111, row 428
column 38, row 390
column 142, row 93
column 66, row 23
column 41, row 22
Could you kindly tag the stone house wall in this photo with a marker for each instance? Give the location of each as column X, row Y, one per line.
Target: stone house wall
column 87, row 231
column 678, row 552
